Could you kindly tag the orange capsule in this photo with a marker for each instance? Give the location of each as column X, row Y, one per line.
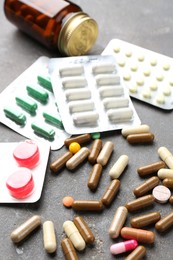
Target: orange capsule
column 140, row 235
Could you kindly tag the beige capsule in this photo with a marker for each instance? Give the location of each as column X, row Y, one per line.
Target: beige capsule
column 49, row 237
column 166, row 156
column 73, row 234
column 165, row 173
column 118, row 221
column 77, row 158
column 119, row 167
column 105, row 153
column 135, row 130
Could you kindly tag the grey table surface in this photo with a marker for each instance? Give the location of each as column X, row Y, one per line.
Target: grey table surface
column 148, row 24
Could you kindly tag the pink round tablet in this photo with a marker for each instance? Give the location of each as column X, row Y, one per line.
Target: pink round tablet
column 20, row 183
column 27, row 154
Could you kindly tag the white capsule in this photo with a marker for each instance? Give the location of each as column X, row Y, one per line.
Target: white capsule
column 73, row 234
column 89, row 117
column 135, row 130
column 75, row 94
column 73, row 70
column 49, row 237
column 74, row 82
column 115, row 102
column 120, row 114
column 111, row 91
column 119, row 167
column 166, row 156
column 165, row 173
column 102, row 79
column 81, row 106
column 103, row 68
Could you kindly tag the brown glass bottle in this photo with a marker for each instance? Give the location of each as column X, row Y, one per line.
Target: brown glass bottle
column 57, row 24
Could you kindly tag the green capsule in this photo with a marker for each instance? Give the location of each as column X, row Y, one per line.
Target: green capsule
column 45, row 82
column 27, row 104
column 95, row 135
column 43, row 130
column 38, row 93
column 15, row 115
column 53, row 119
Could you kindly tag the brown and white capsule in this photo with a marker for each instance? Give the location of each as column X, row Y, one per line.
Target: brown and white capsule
column 77, row 158
column 140, row 203
column 60, row 162
column 105, row 153
column 95, row 176
column 84, row 230
column 118, row 221
column 95, row 150
column 110, row 192
column 150, row 168
column 146, row 186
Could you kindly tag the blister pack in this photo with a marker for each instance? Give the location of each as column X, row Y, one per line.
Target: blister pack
column 21, row 181
column 28, row 106
column 90, row 94
column 147, row 75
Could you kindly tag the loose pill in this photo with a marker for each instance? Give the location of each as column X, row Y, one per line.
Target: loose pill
column 120, row 114
column 165, row 173
column 20, row 183
column 103, row 68
column 87, row 205
column 171, row 200
column 81, row 139
column 115, row 102
column 168, row 183
column 108, row 79
column 118, row 221
column 165, row 223
column 119, row 167
column 95, row 150
column 95, row 176
column 122, row 247
column 140, row 235
column 150, row 168
column 145, row 220
column 49, row 237
column 137, row 254
column 110, row 192
column 25, row 229
column 73, row 234
column 74, row 82
column 27, row 104
column 95, row 135
column 45, row 82
column 161, row 194
column 84, row 230
column 77, row 158
column 105, row 153
column 135, row 130
column 15, row 115
column 140, row 138
column 68, row 201
column 43, row 130
column 38, row 93
column 166, row 156
column 54, row 119
column 74, row 147
column 68, row 249
column 81, row 106
column 140, row 203
column 89, row 117
column 111, row 91
column 73, row 70
column 75, row 94
column 27, row 154
column 60, row 162
column 147, row 186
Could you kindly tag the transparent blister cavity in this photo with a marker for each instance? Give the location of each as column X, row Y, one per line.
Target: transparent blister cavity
column 90, row 94
column 147, row 75
column 28, row 106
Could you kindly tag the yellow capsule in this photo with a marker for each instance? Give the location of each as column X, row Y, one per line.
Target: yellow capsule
column 49, row 237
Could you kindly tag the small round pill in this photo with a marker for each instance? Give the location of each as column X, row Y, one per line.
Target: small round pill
column 161, row 194
column 160, row 76
column 160, row 99
column 121, row 62
column 68, row 201
column 141, row 57
column 153, row 86
column 146, row 72
column 133, row 88
column 140, row 81
column 126, row 76
column 74, row 147
column 146, row 93
column 153, row 62
column 166, row 66
column 134, row 66
column 128, row 53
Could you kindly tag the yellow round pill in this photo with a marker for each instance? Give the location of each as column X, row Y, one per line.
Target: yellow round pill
column 74, row 147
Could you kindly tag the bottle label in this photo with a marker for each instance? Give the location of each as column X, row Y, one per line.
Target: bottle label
column 47, row 7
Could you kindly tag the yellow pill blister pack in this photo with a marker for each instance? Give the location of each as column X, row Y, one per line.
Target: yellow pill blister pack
column 28, row 106
column 90, row 94
column 147, row 75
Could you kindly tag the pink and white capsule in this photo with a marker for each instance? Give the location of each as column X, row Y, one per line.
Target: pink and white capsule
column 122, row 247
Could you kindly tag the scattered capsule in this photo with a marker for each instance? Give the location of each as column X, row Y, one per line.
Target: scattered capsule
column 147, row 186
column 168, row 183
column 77, row 158
column 73, row 234
column 38, row 93
column 60, row 162
column 15, row 115
column 45, row 82
column 135, row 130
column 118, row 221
column 140, row 138
column 87, row 205
column 151, row 168
column 27, row 104
column 84, row 230
column 165, row 223
column 122, row 247
column 137, row 254
column 25, row 229
column 95, row 176
column 105, row 153
column 171, row 200
column 111, row 192
column 140, row 235
column 68, row 249
column 95, row 150
column 43, row 130
column 81, row 139
column 145, row 220
column 139, row 203
column 49, row 237
column 166, row 156
column 119, row 167
column 165, row 173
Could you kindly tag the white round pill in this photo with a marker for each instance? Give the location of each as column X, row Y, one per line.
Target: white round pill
column 161, row 193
